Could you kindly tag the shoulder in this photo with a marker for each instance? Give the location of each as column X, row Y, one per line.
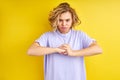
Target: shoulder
column 49, row 33
column 80, row 33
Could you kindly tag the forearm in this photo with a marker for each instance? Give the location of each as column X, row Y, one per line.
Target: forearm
column 37, row 51
column 93, row 50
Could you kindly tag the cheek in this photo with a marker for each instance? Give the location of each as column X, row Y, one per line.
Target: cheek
column 59, row 23
column 70, row 23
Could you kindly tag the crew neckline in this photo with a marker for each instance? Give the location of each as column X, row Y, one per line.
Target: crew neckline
column 64, row 35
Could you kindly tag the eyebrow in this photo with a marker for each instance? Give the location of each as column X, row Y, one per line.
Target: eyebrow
column 65, row 19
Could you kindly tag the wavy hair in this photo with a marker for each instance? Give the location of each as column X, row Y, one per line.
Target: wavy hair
column 62, row 8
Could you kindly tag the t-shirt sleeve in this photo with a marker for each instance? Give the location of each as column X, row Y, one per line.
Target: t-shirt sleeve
column 42, row 40
column 86, row 40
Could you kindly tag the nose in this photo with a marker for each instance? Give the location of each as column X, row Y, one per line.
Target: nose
column 63, row 23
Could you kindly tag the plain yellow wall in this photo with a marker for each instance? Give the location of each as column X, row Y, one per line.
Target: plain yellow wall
column 23, row 21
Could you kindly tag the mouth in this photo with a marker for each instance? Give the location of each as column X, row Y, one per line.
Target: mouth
column 63, row 27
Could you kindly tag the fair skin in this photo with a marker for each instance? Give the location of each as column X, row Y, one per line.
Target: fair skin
column 65, row 22
column 64, row 25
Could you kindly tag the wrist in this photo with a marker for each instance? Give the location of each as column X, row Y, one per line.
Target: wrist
column 73, row 53
column 55, row 49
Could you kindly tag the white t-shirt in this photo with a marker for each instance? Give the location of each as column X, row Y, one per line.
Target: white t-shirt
column 63, row 67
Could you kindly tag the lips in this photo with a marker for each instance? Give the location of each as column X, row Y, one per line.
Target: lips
column 63, row 27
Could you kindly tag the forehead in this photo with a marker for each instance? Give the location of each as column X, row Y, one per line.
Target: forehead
column 65, row 15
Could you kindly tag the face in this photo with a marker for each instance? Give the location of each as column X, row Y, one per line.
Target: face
column 65, row 22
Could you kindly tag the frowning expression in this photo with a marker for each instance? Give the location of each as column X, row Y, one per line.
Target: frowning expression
column 65, row 22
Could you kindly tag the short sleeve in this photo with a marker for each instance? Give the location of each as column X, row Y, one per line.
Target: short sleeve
column 42, row 40
column 86, row 40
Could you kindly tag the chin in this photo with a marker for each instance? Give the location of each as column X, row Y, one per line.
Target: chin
column 64, row 31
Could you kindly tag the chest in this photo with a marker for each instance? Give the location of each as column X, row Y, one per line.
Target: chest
column 75, row 42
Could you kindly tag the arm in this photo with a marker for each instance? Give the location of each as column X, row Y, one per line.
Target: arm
column 37, row 50
column 93, row 49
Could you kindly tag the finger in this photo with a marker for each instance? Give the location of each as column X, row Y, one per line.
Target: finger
column 62, row 47
column 66, row 45
column 65, row 53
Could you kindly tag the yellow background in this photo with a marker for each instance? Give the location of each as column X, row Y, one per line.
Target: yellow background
column 23, row 21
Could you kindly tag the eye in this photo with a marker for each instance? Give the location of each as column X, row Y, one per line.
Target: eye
column 67, row 20
column 60, row 20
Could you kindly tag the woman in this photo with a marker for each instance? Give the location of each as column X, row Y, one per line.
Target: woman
column 64, row 48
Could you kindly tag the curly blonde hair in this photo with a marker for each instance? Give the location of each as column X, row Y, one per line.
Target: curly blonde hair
column 62, row 8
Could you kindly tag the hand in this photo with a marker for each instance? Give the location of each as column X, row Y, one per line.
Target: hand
column 60, row 50
column 67, row 49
